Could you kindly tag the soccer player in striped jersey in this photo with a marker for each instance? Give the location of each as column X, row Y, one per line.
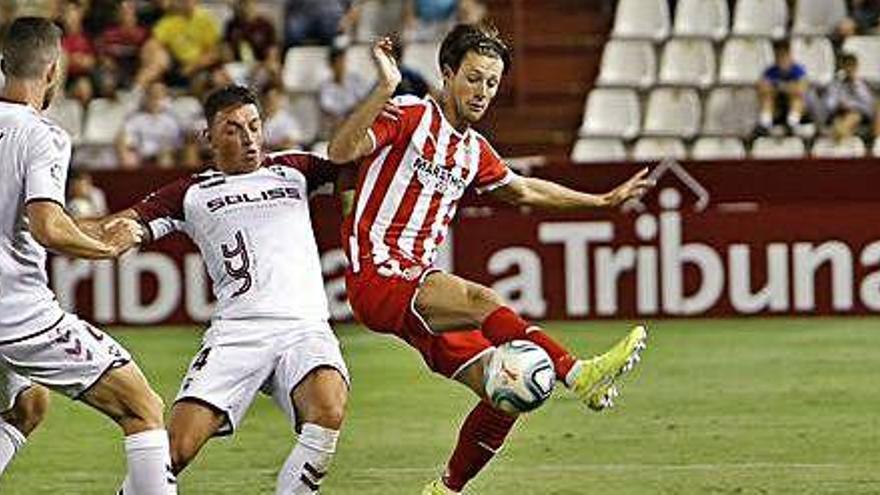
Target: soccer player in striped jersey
column 417, row 157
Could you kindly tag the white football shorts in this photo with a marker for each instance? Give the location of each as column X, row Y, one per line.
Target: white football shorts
column 239, row 358
column 68, row 357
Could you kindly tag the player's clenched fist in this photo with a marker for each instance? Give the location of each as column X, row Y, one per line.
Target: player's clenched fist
column 386, row 65
column 123, row 234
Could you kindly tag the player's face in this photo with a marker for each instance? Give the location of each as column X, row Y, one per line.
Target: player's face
column 475, row 85
column 237, row 139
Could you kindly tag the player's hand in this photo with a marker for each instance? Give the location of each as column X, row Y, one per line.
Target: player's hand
column 634, row 188
column 391, row 111
column 386, row 66
column 122, row 234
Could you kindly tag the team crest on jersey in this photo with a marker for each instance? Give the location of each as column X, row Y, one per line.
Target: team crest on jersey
column 442, row 179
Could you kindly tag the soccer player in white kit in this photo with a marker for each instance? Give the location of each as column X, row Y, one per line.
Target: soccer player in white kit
column 269, row 333
column 39, row 342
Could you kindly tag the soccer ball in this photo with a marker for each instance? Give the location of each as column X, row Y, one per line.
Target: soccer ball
column 520, row 377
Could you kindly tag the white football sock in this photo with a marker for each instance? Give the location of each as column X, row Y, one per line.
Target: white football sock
column 309, row 461
column 149, row 464
column 11, row 441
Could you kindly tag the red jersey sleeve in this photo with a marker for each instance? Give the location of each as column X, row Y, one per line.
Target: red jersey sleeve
column 318, row 171
column 162, row 210
column 386, row 129
column 492, row 173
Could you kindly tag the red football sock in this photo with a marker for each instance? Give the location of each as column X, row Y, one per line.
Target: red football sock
column 480, row 437
column 504, row 325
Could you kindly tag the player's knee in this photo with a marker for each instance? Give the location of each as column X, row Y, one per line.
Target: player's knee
column 483, row 297
column 29, row 410
column 183, row 449
column 145, row 411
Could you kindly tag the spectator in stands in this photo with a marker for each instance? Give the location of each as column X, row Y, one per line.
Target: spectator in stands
column 280, row 129
column 185, row 41
column 316, row 20
column 99, row 15
column 250, row 38
column 864, row 19
column 81, row 89
column 151, row 134
column 150, row 11
column 123, row 40
column 339, row 95
column 849, row 100
column 86, row 199
column 76, row 44
column 411, row 81
column 782, row 90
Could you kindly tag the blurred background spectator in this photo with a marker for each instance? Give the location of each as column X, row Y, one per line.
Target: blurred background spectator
column 849, row 100
column 152, row 134
column 280, row 128
column 316, row 21
column 783, row 90
column 185, row 41
column 122, row 39
column 340, row 94
column 250, row 39
column 86, row 199
column 863, row 19
column 77, row 46
column 411, row 81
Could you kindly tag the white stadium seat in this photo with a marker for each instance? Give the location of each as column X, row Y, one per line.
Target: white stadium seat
column 104, row 119
column 673, row 112
column 688, row 62
column 770, row 148
column 305, row 67
column 877, row 147
column 649, row 149
column 866, row 48
column 359, row 60
column 308, row 115
column 644, row 19
column 628, row 63
column 221, row 10
column 422, row 57
column 760, row 18
column 588, row 150
column 702, row 18
column 851, row 147
column 817, row 56
column 731, row 112
column 377, row 19
column 818, row 16
column 743, row 60
column 189, row 113
column 719, row 148
column 612, row 112
column 68, row 113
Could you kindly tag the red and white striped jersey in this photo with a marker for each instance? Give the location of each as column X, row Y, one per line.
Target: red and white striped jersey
column 410, row 185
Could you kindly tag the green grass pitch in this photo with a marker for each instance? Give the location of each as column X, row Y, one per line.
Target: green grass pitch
column 752, row 406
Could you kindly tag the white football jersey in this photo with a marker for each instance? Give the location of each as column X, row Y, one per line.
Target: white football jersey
column 35, row 155
column 255, row 234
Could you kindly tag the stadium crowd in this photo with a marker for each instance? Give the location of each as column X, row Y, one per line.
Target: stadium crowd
column 137, row 70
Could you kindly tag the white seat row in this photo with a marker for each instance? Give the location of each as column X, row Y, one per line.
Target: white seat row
column 616, row 112
column 594, row 150
column 692, row 62
column 651, row 19
column 306, row 67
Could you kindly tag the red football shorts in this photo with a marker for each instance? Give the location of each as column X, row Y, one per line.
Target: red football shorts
column 385, row 302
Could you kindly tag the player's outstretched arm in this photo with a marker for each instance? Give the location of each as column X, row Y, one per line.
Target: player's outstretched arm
column 52, row 227
column 539, row 193
column 352, row 140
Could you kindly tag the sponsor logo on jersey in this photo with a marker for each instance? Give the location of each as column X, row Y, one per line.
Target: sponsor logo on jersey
column 441, row 178
column 276, row 193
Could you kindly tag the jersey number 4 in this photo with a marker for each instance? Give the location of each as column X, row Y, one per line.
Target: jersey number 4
column 237, row 254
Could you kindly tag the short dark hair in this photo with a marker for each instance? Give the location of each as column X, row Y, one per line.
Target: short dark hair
column 781, row 46
column 30, row 46
column 227, row 97
column 848, row 58
column 479, row 38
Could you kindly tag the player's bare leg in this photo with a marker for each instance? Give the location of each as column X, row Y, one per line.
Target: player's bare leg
column 124, row 395
column 480, row 436
column 17, row 423
column 320, row 404
column 192, row 424
column 449, row 303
